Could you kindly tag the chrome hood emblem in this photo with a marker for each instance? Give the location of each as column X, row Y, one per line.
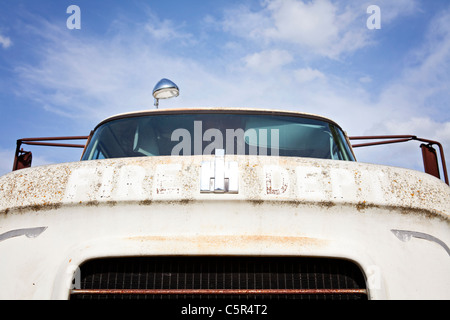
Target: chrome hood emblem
column 219, row 176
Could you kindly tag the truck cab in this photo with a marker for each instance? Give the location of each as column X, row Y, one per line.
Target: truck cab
column 218, row 203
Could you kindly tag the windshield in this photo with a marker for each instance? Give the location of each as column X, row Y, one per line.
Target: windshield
column 201, row 134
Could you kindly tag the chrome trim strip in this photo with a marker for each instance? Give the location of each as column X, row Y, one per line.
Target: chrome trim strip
column 29, row 233
column 219, row 171
column 405, row 236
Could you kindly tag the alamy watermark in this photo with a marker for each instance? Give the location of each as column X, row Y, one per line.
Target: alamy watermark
column 236, row 141
column 374, row 20
column 74, row 20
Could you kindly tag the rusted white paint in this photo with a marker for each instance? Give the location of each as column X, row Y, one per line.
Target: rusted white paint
column 285, row 206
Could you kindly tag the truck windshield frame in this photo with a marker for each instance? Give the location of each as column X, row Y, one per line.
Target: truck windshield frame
column 185, row 134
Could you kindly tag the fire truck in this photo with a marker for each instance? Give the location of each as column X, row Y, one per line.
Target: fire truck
column 216, row 203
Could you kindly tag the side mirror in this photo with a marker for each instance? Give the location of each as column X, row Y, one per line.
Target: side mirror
column 429, row 154
column 430, row 160
column 22, row 160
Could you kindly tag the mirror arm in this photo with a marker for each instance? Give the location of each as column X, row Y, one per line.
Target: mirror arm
column 402, row 138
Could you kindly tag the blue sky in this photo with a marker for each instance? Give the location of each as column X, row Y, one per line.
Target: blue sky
column 316, row 56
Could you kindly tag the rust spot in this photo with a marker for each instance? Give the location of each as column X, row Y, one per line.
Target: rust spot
column 425, row 213
column 111, row 203
column 292, row 203
column 34, row 208
column 240, row 241
column 181, row 202
column 184, row 202
column 361, row 206
column 145, row 202
column 326, row 204
column 256, row 202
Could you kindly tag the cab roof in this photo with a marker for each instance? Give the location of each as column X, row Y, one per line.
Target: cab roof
column 274, row 112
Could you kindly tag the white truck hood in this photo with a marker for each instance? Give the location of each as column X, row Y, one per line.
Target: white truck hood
column 323, row 183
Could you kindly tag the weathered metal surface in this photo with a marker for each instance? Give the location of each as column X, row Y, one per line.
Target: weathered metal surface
column 284, row 207
column 291, row 180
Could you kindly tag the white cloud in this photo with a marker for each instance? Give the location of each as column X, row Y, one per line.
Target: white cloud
column 423, row 87
column 391, row 10
column 365, row 79
column 314, row 27
column 166, row 30
column 312, row 24
column 416, row 102
column 323, row 28
column 243, row 22
column 268, row 61
column 93, row 78
column 5, row 42
column 308, row 75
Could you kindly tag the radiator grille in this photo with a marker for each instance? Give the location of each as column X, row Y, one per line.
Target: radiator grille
column 219, row 277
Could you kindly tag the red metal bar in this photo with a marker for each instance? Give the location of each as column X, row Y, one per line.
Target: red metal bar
column 379, row 143
column 55, row 138
column 39, row 142
column 50, row 144
column 382, row 137
column 402, row 138
column 219, row 291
